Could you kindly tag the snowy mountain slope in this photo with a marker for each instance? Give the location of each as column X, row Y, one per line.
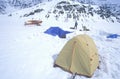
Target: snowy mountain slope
column 26, row 52
column 2, row 6
column 76, row 11
column 7, row 6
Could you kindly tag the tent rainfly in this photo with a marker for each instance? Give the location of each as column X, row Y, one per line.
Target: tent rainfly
column 79, row 56
column 57, row 31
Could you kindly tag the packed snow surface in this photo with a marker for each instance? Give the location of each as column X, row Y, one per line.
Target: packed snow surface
column 26, row 52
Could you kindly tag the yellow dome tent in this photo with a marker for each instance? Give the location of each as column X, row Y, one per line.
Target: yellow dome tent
column 79, row 56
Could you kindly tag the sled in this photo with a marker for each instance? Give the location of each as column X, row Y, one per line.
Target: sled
column 33, row 22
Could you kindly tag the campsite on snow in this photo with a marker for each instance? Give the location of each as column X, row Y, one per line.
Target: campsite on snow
column 60, row 39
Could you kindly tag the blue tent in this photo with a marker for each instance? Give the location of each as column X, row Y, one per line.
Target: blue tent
column 113, row 36
column 57, row 31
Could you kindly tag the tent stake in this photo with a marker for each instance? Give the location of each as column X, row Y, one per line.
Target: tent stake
column 73, row 76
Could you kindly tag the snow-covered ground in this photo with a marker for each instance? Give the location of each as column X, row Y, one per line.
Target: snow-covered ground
column 26, row 52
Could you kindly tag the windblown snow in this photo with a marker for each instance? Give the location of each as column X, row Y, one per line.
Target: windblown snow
column 26, row 52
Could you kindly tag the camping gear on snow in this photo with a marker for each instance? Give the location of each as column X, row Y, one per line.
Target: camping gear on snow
column 33, row 22
column 57, row 31
column 85, row 28
column 79, row 55
column 113, row 36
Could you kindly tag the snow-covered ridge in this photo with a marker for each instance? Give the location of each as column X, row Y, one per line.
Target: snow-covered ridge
column 77, row 10
column 73, row 10
column 7, row 6
column 104, row 11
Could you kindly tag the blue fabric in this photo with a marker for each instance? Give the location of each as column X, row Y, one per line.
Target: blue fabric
column 113, row 36
column 57, row 31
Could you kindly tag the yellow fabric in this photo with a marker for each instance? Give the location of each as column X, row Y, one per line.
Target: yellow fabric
column 79, row 55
